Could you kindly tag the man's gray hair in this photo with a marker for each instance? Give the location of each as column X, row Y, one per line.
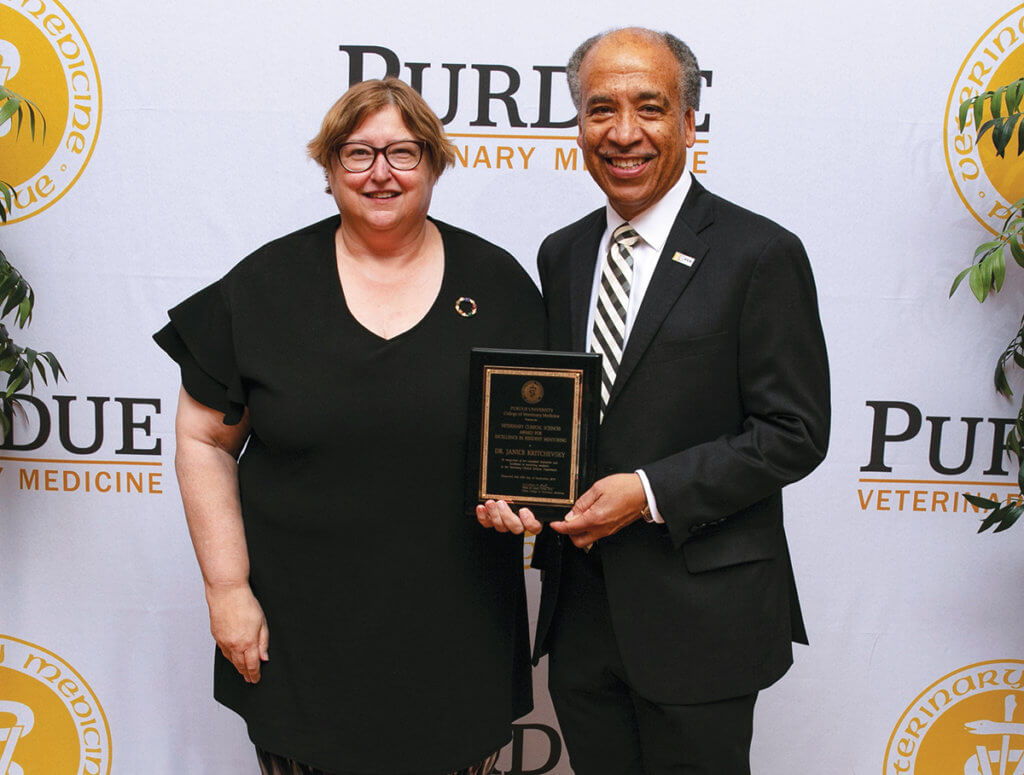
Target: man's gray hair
column 689, row 70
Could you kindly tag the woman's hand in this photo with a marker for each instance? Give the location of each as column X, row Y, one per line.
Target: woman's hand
column 240, row 628
column 499, row 516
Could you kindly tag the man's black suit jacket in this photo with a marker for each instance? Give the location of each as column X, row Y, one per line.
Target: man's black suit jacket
column 722, row 397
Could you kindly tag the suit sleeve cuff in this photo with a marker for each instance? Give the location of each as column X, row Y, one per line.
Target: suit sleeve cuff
column 651, row 501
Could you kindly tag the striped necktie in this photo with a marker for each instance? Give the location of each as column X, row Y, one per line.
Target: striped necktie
column 612, row 303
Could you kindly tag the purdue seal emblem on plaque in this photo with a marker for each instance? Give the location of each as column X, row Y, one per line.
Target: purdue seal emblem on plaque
column 532, row 391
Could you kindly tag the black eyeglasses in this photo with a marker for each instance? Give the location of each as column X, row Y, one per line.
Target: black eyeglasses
column 401, row 155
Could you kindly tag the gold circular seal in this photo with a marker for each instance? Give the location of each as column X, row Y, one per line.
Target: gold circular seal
column 50, row 720
column 45, row 58
column 970, row 721
column 986, row 183
column 532, row 391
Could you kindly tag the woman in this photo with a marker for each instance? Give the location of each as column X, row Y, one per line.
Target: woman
column 364, row 623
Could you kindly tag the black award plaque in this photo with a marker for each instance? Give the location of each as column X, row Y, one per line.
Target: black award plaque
column 533, row 419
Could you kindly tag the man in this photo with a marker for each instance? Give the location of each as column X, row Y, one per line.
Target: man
column 669, row 598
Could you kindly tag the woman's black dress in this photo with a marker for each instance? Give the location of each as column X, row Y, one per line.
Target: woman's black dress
column 398, row 627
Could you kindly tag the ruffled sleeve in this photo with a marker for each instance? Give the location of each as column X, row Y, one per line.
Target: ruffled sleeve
column 199, row 338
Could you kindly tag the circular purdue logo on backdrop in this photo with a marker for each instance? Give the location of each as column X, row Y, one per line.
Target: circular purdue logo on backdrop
column 50, row 720
column 987, row 184
column 44, row 57
column 970, row 722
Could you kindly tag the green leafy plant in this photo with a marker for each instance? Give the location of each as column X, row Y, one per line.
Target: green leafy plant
column 987, row 273
column 18, row 365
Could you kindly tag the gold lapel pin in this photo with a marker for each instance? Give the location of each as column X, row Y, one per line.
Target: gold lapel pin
column 682, row 258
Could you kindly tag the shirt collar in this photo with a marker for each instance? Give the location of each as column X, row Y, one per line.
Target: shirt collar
column 654, row 224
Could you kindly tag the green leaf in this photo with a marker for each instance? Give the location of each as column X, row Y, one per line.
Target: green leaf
column 981, row 503
column 1001, row 383
column 1017, row 251
column 7, row 201
column 985, row 127
column 986, row 523
column 55, row 367
column 10, row 279
column 24, row 315
column 986, row 248
column 999, row 137
column 979, row 108
column 1003, row 517
column 1013, row 444
column 962, row 118
column 1012, row 122
column 1008, row 516
column 17, row 378
column 980, row 282
column 42, row 120
column 8, row 109
column 8, row 284
column 14, row 104
column 959, row 278
column 995, row 104
column 40, row 366
column 1003, row 133
column 1020, row 138
column 998, row 264
column 1014, row 93
column 16, row 296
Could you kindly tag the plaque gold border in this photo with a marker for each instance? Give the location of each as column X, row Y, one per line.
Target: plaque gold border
column 576, row 375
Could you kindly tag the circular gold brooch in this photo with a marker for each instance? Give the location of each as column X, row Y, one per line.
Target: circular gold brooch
column 465, row 306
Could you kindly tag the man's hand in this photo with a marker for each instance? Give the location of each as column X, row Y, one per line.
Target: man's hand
column 498, row 515
column 607, row 507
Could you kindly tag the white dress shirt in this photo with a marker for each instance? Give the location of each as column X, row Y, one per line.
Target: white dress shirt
column 653, row 226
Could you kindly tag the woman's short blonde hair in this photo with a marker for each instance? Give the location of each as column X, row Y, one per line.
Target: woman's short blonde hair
column 368, row 97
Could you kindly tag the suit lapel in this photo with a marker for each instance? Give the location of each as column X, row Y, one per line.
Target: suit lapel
column 671, row 276
column 584, row 260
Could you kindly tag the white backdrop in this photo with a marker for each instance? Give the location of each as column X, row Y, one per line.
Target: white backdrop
column 827, row 118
